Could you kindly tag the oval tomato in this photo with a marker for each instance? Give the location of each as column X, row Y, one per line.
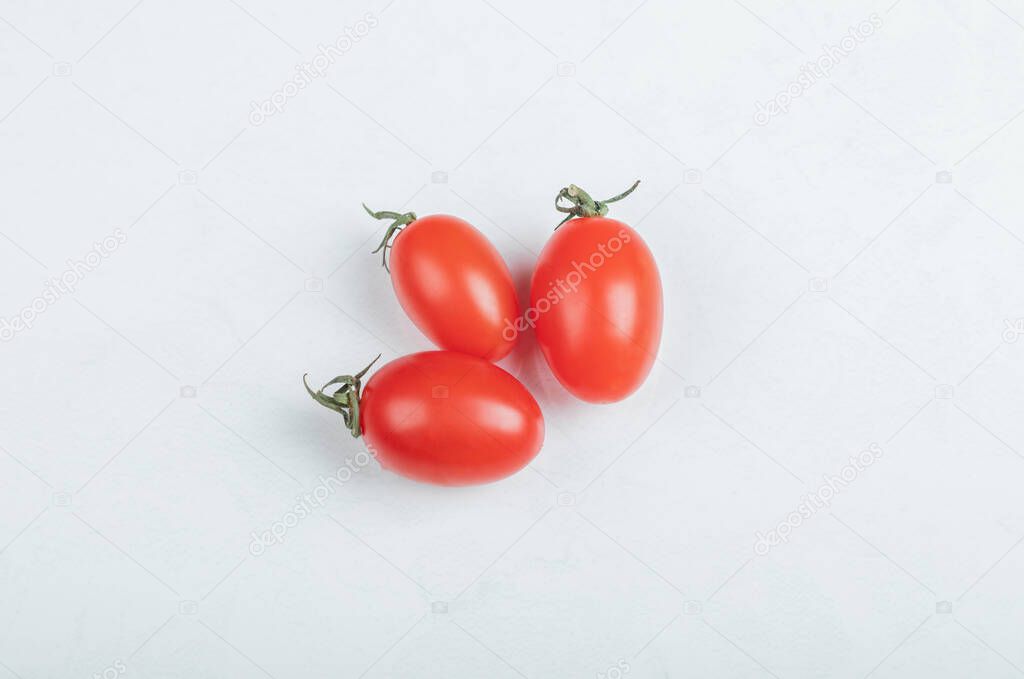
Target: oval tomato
column 596, row 304
column 442, row 417
column 451, row 282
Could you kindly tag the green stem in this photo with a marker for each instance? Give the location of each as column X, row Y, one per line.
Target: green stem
column 582, row 205
column 344, row 400
column 400, row 221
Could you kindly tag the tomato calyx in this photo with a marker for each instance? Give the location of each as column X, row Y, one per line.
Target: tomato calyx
column 582, row 205
column 400, row 221
column 344, row 400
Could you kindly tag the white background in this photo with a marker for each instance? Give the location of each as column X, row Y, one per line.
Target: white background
column 827, row 288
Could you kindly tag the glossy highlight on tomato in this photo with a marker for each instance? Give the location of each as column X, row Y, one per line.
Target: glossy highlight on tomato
column 441, row 417
column 596, row 303
column 451, row 282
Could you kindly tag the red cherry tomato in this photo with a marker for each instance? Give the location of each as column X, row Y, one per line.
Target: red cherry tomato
column 596, row 303
column 451, row 282
column 442, row 417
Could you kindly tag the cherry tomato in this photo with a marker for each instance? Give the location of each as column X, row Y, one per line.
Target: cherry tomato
column 451, row 281
column 441, row 417
column 596, row 303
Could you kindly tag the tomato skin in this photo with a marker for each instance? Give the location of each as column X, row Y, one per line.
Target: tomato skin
column 454, row 285
column 449, row 418
column 601, row 338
